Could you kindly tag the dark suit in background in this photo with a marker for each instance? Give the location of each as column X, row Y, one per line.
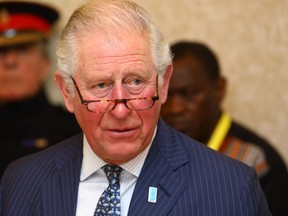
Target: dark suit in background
column 32, row 125
column 275, row 182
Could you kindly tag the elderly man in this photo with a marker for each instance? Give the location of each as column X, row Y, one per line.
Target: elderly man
column 114, row 72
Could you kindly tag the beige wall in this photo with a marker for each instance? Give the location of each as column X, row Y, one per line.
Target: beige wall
column 251, row 39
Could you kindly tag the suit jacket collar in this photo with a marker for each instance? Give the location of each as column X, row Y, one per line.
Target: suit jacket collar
column 59, row 192
column 160, row 170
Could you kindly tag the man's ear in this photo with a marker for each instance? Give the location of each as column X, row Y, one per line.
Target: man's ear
column 64, row 90
column 166, row 81
column 221, row 89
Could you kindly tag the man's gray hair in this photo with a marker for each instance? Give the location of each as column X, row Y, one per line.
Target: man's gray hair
column 105, row 17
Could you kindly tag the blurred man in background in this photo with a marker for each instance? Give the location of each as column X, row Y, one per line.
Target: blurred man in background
column 197, row 90
column 28, row 122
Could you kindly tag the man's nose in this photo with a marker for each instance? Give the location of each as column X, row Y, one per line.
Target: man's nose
column 9, row 58
column 175, row 103
column 120, row 92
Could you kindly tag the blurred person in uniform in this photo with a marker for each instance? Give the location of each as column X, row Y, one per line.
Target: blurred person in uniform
column 28, row 122
column 194, row 106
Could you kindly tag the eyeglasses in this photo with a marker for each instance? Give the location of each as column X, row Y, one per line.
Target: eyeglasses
column 104, row 106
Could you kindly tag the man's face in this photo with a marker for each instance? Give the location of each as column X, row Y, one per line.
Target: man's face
column 110, row 71
column 23, row 69
column 193, row 103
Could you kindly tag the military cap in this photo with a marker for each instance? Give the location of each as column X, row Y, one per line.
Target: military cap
column 24, row 22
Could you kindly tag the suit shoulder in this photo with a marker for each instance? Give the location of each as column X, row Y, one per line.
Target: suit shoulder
column 199, row 154
column 42, row 163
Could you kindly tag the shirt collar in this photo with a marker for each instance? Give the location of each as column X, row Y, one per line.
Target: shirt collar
column 91, row 162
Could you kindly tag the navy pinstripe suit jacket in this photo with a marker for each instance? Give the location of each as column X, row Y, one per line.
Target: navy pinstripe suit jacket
column 191, row 180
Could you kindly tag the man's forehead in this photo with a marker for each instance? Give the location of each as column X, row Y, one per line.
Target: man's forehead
column 104, row 44
column 98, row 52
column 106, row 56
column 111, row 65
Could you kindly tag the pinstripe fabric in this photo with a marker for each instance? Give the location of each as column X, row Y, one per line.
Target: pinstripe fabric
column 194, row 180
column 191, row 180
column 45, row 183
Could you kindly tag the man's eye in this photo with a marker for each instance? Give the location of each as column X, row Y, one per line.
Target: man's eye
column 188, row 92
column 136, row 82
column 135, row 85
column 100, row 90
column 101, row 85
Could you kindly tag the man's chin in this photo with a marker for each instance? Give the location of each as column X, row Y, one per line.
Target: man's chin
column 11, row 97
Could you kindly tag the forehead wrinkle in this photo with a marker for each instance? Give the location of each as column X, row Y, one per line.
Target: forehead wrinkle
column 104, row 60
column 114, row 66
column 124, row 55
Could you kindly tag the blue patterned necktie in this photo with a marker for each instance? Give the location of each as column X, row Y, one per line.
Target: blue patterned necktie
column 109, row 202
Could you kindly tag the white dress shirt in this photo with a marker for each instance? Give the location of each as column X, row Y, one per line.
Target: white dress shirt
column 93, row 180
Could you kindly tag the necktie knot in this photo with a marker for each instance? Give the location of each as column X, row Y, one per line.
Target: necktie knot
column 112, row 172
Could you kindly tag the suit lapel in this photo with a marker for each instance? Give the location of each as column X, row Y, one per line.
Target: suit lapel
column 160, row 170
column 59, row 192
